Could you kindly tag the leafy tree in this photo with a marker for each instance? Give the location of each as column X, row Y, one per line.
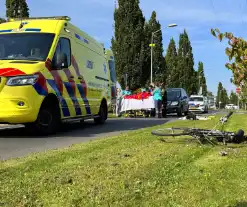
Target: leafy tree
column 209, row 93
column 128, row 42
column 2, row 20
column 171, row 58
column 186, row 73
column 17, row 9
column 201, row 79
column 233, row 98
column 237, row 54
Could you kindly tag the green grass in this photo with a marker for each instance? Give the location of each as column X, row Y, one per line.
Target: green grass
column 134, row 169
column 111, row 115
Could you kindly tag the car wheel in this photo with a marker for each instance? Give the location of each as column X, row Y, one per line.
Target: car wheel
column 102, row 114
column 186, row 113
column 48, row 121
column 164, row 113
column 180, row 112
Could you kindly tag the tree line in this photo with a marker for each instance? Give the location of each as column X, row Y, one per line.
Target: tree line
column 131, row 49
column 222, row 97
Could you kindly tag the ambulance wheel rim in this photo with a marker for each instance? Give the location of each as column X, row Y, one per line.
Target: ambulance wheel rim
column 45, row 118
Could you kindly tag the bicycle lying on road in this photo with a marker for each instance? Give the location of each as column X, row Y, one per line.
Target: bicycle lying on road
column 204, row 134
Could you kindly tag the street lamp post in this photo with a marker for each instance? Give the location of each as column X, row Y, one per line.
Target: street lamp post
column 153, row 45
column 219, row 98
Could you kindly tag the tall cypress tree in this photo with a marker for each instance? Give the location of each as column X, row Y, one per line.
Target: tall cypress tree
column 146, row 69
column 180, row 63
column 17, row 9
column 201, row 79
column 128, row 42
column 158, row 60
column 187, row 74
column 224, row 98
column 219, row 94
column 172, row 75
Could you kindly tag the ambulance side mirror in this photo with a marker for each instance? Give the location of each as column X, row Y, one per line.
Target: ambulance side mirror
column 60, row 61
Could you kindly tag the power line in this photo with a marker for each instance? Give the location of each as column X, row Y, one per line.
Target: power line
column 213, row 7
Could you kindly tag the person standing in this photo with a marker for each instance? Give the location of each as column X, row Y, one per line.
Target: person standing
column 126, row 91
column 150, row 89
column 157, row 96
column 119, row 102
column 164, row 103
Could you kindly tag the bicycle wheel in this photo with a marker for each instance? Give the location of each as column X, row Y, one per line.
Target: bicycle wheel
column 171, row 132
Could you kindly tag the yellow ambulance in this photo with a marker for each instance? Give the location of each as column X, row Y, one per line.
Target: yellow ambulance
column 51, row 72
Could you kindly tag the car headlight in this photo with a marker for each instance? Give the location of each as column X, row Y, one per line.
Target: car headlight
column 22, row 80
column 201, row 104
column 174, row 103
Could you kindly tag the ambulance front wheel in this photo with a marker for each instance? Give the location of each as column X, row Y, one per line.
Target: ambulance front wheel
column 103, row 114
column 48, row 120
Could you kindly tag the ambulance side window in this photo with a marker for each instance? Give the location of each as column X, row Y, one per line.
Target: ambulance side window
column 112, row 71
column 58, row 50
column 64, row 46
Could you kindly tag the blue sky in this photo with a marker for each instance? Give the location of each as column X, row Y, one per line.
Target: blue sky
column 96, row 18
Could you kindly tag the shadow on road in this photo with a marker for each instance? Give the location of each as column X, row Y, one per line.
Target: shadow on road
column 88, row 129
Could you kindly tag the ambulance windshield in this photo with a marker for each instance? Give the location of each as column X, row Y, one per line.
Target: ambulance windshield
column 25, row 46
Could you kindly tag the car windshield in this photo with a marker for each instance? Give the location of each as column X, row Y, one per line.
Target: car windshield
column 200, row 99
column 173, row 95
column 25, row 46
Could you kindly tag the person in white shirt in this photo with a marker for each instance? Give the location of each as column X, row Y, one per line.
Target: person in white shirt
column 119, row 102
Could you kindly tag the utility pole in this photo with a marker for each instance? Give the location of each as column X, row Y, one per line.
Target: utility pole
column 153, row 45
column 219, row 98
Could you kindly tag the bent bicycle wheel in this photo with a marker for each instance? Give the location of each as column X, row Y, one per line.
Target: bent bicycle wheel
column 171, row 132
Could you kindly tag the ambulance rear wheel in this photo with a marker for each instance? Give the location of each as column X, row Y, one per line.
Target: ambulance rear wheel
column 103, row 113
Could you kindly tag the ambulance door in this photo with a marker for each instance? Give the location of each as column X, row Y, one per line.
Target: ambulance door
column 67, row 76
column 112, row 82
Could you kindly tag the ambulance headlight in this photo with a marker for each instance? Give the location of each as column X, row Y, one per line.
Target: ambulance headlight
column 22, row 80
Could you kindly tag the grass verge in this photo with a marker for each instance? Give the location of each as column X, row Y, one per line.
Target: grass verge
column 134, row 169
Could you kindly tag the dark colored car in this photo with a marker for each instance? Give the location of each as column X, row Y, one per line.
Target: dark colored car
column 176, row 100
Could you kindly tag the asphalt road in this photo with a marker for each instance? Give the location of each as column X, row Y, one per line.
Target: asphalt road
column 15, row 141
